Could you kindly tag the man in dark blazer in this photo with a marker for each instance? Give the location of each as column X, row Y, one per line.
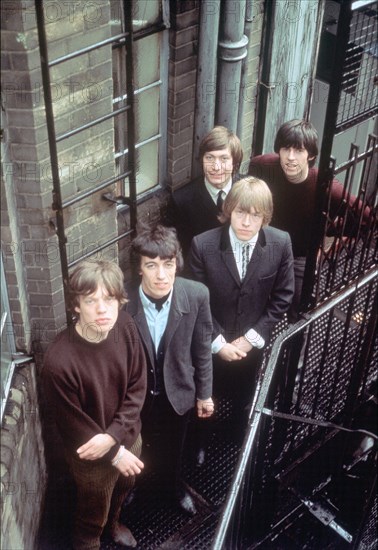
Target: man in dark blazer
column 174, row 321
column 195, row 207
column 248, row 269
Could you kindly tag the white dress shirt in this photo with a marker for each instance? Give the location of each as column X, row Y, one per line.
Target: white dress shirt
column 213, row 191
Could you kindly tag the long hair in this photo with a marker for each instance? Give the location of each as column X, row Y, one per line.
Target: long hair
column 221, row 138
column 298, row 133
column 89, row 274
column 249, row 193
column 157, row 240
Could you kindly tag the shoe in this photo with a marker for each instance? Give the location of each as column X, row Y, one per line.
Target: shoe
column 122, row 535
column 185, row 502
column 130, row 497
column 201, row 456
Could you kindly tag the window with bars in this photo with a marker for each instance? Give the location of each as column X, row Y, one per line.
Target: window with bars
column 149, row 59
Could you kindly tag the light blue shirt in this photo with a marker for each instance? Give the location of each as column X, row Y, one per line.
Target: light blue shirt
column 156, row 320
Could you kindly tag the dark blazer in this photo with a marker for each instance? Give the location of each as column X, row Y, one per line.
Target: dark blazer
column 192, row 211
column 187, row 366
column 265, row 294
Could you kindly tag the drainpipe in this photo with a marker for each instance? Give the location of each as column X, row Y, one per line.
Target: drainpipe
column 244, row 69
column 232, row 50
column 206, row 76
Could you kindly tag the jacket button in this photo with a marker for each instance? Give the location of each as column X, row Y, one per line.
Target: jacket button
column 152, row 392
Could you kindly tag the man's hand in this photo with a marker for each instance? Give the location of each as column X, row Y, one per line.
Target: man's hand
column 129, row 464
column 230, row 352
column 242, row 344
column 205, row 407
column 96, row 447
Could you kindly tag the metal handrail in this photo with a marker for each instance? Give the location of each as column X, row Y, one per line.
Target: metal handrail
column 262, row 388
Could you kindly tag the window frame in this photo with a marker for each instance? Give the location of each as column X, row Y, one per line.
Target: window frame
column 8, row 334
column 162, row 84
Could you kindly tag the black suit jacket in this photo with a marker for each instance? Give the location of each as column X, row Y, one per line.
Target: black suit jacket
column 265, row 294
column 187, row 366
column 192, row 211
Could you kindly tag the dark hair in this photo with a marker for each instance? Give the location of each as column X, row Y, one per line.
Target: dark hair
column 298, row 133
column 158, row 240
column 248, row 193
column 89, row 274
column 221, row 138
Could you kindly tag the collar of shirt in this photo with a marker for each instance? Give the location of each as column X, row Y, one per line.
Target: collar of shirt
column 146, row 303
column 156, row 320
column 213, row 191
column 237, row 244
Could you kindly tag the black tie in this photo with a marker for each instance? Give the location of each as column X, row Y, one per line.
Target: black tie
column 245, row 259
column 220, row 201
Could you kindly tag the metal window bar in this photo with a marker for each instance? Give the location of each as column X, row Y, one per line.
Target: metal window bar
column 258, row 457
column 353, row 250
column 58, row 204
column 338, row 118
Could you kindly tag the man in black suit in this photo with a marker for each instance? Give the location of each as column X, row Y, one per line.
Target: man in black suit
column 174, row 322
column 248, row 269
column 195, row 207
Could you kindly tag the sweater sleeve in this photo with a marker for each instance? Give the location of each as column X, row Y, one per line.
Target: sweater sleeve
column 346, row 205
column 61, row 389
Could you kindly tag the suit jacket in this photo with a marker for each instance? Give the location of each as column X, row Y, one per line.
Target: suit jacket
column 192, row 211
column 265, row 294
column 187, row 368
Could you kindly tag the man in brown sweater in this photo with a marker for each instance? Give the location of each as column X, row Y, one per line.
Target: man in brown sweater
column 95, row 382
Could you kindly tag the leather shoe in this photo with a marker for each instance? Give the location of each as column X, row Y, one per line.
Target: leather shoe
column 122, row 535
column 185, row 503
column 201, row 456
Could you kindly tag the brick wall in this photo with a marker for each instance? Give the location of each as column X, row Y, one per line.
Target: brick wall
column 23, row 470
column 182, row 90
column 82, row 91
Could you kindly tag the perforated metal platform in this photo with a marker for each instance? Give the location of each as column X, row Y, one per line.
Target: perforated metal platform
column 156, row 523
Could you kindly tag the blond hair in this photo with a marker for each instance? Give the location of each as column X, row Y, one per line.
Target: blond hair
column 249, row 193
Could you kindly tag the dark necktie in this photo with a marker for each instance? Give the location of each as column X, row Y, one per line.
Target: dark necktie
column 220, row 200
column 245, row 259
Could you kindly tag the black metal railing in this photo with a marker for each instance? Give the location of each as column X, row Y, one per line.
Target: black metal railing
column 59, row 205
column 298, row 407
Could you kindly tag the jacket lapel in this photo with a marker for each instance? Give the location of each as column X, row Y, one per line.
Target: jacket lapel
column 227, row 254
column 257, row 257
column 135, row 309
column 205, row 199
column 179, row 307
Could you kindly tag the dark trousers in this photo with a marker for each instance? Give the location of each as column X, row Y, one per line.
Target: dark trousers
column 235, row 383
column 164, row 432
column 101, row 490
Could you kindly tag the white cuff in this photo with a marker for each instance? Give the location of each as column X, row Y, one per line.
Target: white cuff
column 254, row 338
column 218, row 344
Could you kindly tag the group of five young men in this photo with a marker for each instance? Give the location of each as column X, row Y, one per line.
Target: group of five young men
column 145, row 367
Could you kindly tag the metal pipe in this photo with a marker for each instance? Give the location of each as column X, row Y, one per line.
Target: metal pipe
column 206, row 76
column 232, row 50
column 57, row 195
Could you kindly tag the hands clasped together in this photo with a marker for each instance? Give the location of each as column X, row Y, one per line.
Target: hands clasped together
column 235, row 350
column 125, row 461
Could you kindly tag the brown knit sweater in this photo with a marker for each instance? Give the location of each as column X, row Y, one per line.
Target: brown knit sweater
column 96, row 388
